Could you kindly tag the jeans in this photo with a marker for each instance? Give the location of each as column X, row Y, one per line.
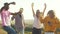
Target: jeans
column 9, row 30
column 36, row 31
column 49, row 33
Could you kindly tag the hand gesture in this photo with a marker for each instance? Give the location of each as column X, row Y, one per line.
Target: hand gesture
column 12, row 3
column 32, row 5
column 45, row 5
column 44, row 8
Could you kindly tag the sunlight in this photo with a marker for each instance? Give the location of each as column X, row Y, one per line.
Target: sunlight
column 38, row 4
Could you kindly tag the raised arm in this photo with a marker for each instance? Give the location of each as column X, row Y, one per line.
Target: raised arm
column 44, row 9
column 33, row 9
column 14, row 13
column 12, row 3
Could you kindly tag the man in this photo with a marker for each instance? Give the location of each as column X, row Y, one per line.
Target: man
column 19, row 22
column 5, row 17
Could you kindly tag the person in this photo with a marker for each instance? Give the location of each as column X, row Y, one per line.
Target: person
column 19, row 22
column 5, row 16
column 37, row 25
column 50, row 22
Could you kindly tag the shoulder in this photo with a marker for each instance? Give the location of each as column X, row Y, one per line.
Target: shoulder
column 9, row 12
column 56, row 18
column 22, row 15
column 35, row 16
column 3, row 11
column 46, row 17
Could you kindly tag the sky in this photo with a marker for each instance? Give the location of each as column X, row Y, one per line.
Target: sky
column 38, row 4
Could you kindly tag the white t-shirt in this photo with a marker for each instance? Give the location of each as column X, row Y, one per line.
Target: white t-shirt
column 37, row 24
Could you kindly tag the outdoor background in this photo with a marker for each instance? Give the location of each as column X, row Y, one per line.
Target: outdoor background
column 26, row 4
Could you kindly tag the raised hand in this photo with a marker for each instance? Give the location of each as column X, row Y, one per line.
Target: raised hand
column 32, row 5
column 45, row 5
column 44, row 8
column 33, row 9
column 12, row 3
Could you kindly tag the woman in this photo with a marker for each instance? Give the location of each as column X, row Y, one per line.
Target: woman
column 5, row 16
column 37, row 25
column 50, row 22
